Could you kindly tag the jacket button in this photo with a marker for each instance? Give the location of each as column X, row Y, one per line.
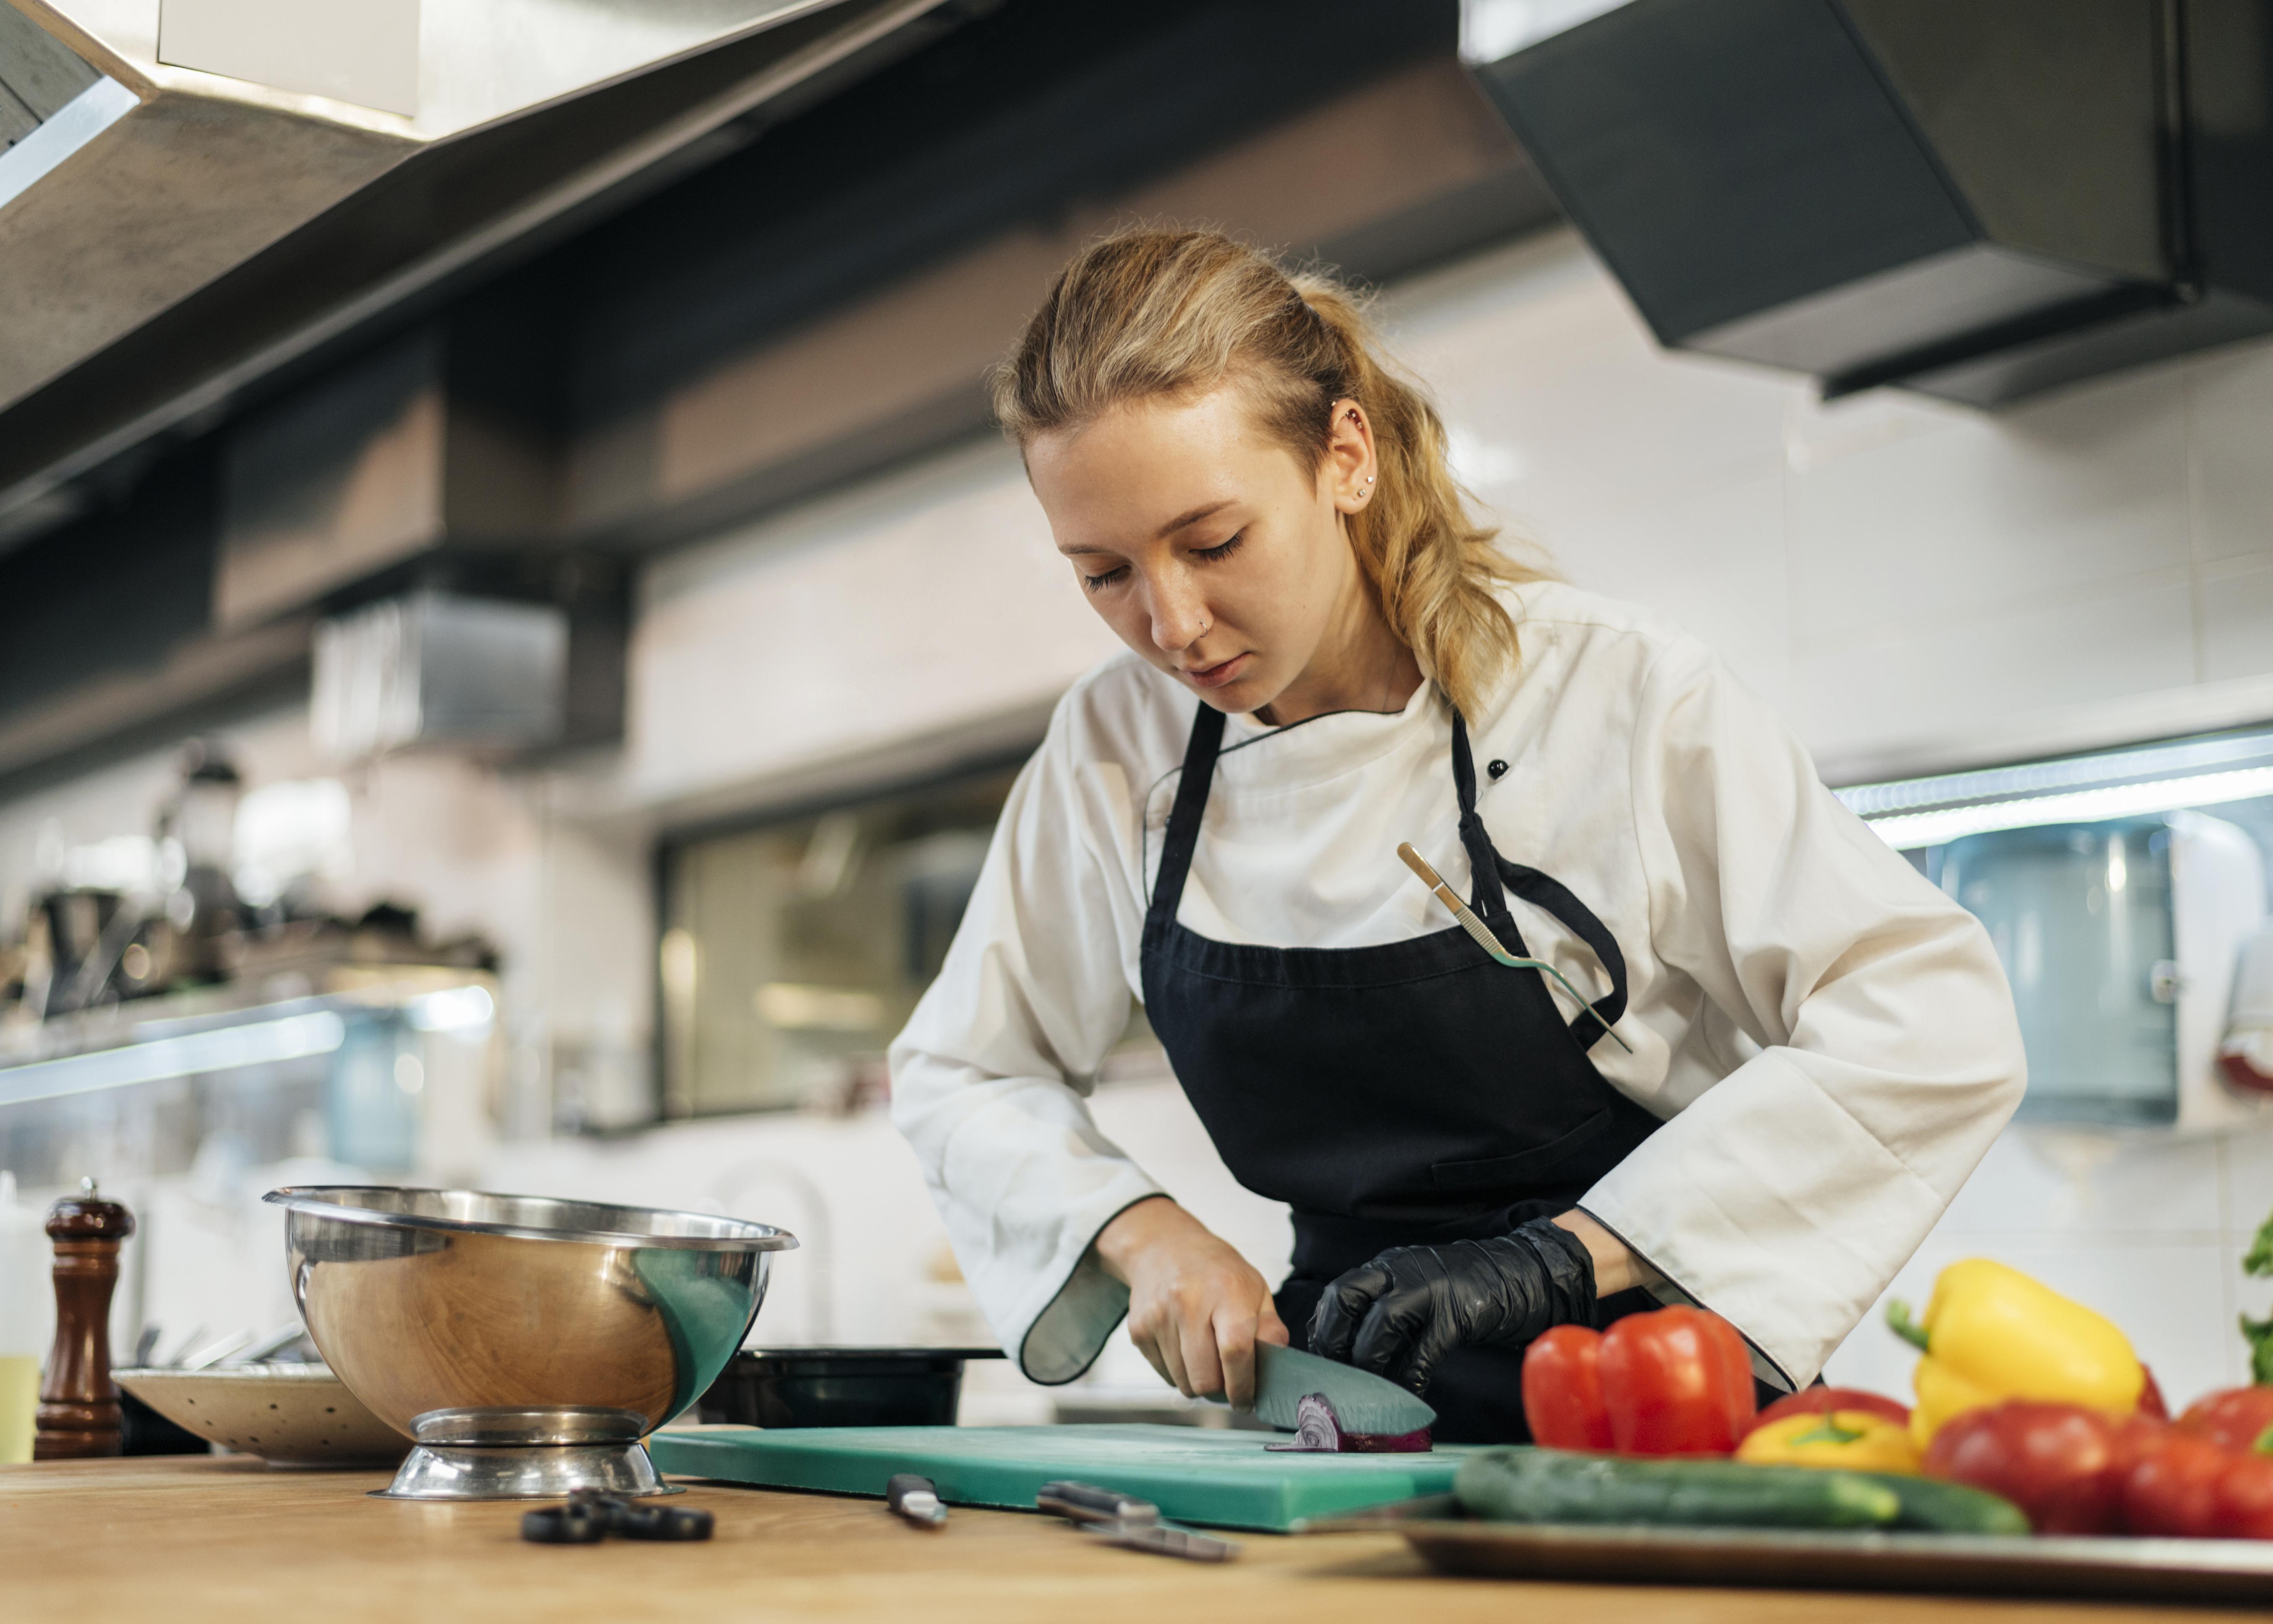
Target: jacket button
column 1497, row 768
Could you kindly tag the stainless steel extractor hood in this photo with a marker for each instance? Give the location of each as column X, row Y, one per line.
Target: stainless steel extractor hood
column 1975, row 198
column 193, row 192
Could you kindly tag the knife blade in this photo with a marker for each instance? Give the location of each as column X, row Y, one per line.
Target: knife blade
column 1362, row 1402
column 1163, row 1539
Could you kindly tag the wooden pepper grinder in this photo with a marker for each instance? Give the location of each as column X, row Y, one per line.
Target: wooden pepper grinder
column 78, row 1403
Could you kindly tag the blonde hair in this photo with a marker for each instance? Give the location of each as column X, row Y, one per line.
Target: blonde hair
column 1150, row 312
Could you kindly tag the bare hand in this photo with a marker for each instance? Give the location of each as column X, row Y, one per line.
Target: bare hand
column 1196, row 1307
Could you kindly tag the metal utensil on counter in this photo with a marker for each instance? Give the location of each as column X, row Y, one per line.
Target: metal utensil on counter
column 214, row 1353
column 1483, row 937
column 1163, row 1539
column 289, row 1415
column 1085, row 1502
column 266, row 1347
column 915, row 1497
column 1114, row 1518
column 526, row 1344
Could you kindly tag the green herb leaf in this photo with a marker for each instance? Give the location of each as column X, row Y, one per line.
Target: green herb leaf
column 2259, row 1334
column 2259, row 1258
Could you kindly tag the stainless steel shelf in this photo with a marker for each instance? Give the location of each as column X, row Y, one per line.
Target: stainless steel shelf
column 224, row 1027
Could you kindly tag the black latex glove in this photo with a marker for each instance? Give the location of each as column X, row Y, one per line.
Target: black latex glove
column 1400, row 1314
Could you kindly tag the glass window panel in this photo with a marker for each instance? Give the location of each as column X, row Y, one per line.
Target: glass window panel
column 793, row 953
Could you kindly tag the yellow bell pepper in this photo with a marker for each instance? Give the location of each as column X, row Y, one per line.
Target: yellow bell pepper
column 1843, row 1440
column 1990, row 1332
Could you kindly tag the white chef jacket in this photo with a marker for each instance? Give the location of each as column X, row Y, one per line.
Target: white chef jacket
column 1830, row 1040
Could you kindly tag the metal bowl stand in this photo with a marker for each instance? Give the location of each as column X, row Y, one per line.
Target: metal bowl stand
column 489, row 1454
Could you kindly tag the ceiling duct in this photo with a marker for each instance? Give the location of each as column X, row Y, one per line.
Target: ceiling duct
column 195, row 193
column 1974, row 199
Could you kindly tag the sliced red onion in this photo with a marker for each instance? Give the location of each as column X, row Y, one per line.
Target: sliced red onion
column 1318, row 1431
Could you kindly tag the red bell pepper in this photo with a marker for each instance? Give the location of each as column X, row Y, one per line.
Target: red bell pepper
column 1823, row 1401
column 1563, row 1389
column 1677, row 1381
column 2238, row 1418
column 2060, row 1463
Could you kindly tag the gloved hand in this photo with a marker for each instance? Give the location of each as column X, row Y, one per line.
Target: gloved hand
column 1400, row 1314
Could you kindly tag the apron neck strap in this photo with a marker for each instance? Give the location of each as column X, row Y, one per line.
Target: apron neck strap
column 1183, row 834
column 1485, row 895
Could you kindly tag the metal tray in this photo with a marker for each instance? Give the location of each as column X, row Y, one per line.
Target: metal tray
column 2179, row 1570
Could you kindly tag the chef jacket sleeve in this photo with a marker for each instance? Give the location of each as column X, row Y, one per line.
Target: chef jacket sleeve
column 1885, row 1053
column 990, row 1077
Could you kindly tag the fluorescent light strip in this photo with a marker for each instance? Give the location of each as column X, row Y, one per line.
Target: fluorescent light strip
column 1910, row 831
column 2192, row 757
column 296, row 1037
column 75, row 123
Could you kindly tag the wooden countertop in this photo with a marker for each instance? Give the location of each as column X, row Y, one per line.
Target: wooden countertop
column 189, row 1539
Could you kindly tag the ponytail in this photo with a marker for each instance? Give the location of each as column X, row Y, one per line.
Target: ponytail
column 1149, row 313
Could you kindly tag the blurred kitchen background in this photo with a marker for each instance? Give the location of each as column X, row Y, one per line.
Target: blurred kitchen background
column 514, row 628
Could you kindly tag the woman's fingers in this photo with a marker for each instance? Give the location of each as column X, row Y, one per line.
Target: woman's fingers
column 1203, row 1365
column 1168, row 1347
column 1234, row 1339
column 1147, row 1346
column 1196, row 1308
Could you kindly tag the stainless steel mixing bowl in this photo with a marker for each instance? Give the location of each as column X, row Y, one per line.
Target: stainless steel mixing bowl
column 526, row 1344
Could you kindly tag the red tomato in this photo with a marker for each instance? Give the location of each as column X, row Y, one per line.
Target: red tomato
column 2235, row 1419
column 1563, row 1389
column 1677, row 1381
column 2173, row 1486
column 1823, row 1401
column 2058, row 1463
column 2245, row 1497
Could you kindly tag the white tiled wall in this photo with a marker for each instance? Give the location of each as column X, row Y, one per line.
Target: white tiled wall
column 1915, row 585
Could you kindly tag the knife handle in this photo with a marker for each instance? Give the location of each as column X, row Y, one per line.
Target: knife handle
column 915, row 1498
column 1085, row 1502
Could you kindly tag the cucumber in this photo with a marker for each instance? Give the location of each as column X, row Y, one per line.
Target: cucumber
column 1942, row 1507
column 1525, row 1484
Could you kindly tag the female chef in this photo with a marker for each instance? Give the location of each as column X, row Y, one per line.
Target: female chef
column 1796, row 1050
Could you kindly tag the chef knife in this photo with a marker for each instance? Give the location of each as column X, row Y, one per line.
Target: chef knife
column 1362, row 1402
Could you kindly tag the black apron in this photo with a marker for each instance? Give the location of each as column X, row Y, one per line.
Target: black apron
column 1409, row 1093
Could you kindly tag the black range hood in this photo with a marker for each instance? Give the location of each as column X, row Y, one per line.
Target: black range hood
column 1974, row 199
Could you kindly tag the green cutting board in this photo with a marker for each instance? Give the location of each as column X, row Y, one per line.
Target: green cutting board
column 1226, row 1480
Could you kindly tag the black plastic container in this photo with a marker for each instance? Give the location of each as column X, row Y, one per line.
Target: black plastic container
column 840, row 1386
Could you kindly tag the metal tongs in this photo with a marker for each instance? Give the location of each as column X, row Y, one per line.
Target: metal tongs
column 1114, row 1518
column 1490, row 943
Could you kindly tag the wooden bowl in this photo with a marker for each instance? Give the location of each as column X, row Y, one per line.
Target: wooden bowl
column 289, row 1415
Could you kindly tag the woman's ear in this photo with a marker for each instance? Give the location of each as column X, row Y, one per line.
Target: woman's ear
column 1350, row 470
